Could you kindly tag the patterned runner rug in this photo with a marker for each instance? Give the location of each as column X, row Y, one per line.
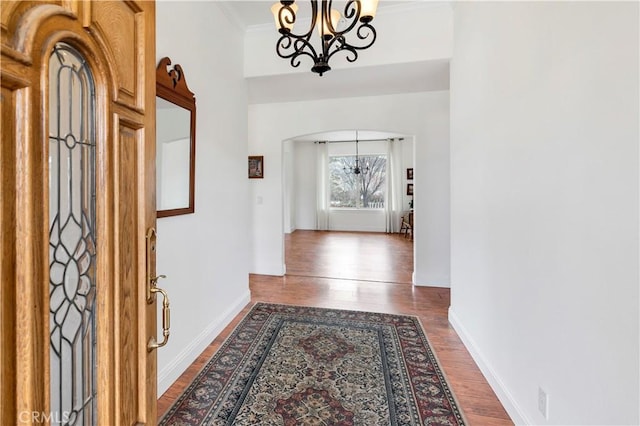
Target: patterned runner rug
column 292, row 365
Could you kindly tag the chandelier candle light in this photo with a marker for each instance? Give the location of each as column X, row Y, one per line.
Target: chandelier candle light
column 358, row 13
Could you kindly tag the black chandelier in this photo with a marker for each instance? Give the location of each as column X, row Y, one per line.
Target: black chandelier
column 356, row 13
column 356, row 169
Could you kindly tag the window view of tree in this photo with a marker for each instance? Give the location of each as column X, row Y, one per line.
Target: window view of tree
column 364, row 190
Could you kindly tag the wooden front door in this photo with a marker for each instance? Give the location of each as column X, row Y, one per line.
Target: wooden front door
column 77, row 201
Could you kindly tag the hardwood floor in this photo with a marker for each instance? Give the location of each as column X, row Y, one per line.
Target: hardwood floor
column 348, row 271
column 368, row 256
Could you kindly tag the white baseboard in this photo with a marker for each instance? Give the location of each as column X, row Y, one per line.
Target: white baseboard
column 502, row 392
column 358, row 229
column 423, row 280
column 432, row 284
column 277, row 270
column 170, row 372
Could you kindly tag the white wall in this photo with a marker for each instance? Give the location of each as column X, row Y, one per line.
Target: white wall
column 425, row 115
column 204, row 255
column 363, row 220
column 407, row 162
column 290, row 186
column 544, row 203
column 306, row 188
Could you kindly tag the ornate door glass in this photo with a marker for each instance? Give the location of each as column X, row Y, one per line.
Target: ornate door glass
column 72, row 238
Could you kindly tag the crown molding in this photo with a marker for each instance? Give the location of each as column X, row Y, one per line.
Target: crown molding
column 388, row 8
column 231, row 14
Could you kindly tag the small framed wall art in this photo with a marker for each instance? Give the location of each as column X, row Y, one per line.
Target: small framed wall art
column 409, row 189
column 256, row 167
column 410, row 174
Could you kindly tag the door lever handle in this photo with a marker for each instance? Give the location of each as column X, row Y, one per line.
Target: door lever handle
column 154, row 281
column 152, row 289
column 166, row 315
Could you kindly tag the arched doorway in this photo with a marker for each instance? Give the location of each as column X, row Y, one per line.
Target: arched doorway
column 366, row 219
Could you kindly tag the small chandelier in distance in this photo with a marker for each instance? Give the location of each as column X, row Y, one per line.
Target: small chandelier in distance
column 356, row 12
column 356, row 169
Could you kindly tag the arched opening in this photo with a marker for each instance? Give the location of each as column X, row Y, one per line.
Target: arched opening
column 359, row 210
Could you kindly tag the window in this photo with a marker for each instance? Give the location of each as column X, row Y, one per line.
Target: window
column 365, row 190
column 72, row 237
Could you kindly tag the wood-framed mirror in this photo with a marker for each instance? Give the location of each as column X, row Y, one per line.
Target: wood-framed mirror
column 175, row 141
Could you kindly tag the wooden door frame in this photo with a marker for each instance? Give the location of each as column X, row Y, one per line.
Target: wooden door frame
column 29, row 32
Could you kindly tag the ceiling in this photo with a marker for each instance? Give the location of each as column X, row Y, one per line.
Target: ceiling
column 249, row 13
column 356, row 81
column 348, row 135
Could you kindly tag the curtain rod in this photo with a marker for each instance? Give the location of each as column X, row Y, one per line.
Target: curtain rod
column 359, row 140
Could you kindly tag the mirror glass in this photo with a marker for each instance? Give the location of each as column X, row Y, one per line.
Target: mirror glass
column 175, row 142
column 173, row 146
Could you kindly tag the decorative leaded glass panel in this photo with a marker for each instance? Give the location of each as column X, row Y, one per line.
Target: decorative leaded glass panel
column 72, row 238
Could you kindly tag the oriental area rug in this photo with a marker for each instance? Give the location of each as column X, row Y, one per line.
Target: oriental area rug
column 293, row 365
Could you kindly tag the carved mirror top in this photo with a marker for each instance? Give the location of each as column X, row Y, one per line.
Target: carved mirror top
column 171, row 83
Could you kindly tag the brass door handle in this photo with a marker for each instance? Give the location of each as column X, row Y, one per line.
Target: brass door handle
column 151, row 238
column 152, row 289
column 154, row 282
column 166, row 315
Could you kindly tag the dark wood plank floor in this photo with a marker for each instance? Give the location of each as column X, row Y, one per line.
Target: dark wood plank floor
column 315, row 259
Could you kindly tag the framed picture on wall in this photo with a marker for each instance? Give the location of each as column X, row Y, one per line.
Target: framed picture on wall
column 256, row 167
column 409, row 189
column 410, row 174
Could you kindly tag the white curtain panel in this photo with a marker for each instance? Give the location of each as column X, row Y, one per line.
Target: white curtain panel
column 393, row 206
column 322, row 185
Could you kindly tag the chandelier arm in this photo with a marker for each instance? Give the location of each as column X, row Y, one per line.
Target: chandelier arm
column 365, row 32
column 340, row 43
column 351, row 56
column 300, row 44
column 298, row 39
column 297, row 42
column 325, row 15
column 326, row 12
column 352, row 12
column 295, row 59
column 286, row 15
column 284, row 43
column 314, row 16
column 291, row 47
column 352, row 8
